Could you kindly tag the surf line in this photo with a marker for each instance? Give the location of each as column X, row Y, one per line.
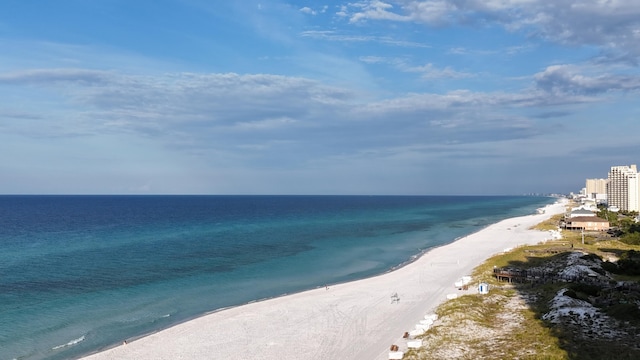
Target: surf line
column 70, row 343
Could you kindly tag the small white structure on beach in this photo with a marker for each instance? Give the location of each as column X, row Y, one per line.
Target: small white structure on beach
column 414, row 344
column 396, row 355
column 483, row 288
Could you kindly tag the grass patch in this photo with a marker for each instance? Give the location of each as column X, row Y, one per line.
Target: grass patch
column 494, row 326
column 549, row 224
column 625, row 312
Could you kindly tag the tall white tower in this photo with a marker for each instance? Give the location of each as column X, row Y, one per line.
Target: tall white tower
column 623, row 188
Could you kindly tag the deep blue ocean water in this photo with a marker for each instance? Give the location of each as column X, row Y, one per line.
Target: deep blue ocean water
column 81, row 273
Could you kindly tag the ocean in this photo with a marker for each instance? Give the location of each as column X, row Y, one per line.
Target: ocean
column 83, row 273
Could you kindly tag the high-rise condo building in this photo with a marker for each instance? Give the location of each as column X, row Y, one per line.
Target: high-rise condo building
column 623, row 188
column 596, row 189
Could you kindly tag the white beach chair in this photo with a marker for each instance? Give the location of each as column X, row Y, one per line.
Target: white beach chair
column 395, row 298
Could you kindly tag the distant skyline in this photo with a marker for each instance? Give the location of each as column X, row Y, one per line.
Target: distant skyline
column 305, row 97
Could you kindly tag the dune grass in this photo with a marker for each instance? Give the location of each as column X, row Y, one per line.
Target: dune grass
column 495, row 326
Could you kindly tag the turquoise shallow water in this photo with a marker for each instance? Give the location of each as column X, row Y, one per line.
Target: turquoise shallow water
column 81, row 273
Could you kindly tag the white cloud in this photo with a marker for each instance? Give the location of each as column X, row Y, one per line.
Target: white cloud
column 205, row 113
column 198, row 102
column 35, row 76
column 308, row 10
column 161, row 104
column 368, row 119
column 429, row 71
column 375, row 10
column 571, row 79
column 372, row 59
column 431, row 12
column 331, row 35
column 267, row 120
column 613, row 25
column 266, row 124
column 343, row 12
column 510, row 50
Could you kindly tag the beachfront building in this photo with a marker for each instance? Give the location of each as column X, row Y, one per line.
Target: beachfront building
column 596, row 189
column 623, row 188
column 581, row 213
column 587, row 223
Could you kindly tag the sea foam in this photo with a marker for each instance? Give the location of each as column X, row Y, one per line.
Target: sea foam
column 70, row 343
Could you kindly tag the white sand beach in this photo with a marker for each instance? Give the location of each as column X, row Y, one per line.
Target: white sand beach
column 355, row 320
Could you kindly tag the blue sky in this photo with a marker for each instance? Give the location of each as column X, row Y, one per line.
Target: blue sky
column 316, row 97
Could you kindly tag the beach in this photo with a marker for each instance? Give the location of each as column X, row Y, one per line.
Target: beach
column 354, row 320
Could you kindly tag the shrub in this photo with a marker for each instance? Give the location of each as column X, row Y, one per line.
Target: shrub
column 610, row 267
column 631, row 238
column 590, row 290
column 629, row 263
column 628, row 267
column 624, row 312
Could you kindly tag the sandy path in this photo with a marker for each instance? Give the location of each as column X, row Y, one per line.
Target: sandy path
column 355, row 320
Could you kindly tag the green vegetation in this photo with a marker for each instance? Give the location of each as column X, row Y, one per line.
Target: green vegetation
column 631, row 238
column 611, row 216
column 628, row 264
column 477, row 327
column 623, row 225
column 508, row 322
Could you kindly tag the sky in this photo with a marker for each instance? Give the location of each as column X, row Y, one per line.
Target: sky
column 395, row 97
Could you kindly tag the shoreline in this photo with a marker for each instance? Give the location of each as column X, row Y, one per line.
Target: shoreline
column 350, row 320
